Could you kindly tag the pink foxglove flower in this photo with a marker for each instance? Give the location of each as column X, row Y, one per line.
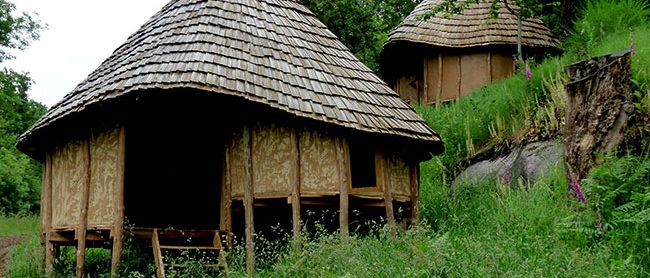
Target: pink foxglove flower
column 506, row 177
column 528, row 72
column 631, row 43
column 578, row 190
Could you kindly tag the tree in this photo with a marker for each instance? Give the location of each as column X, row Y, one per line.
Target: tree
column 19, row 174
column 362, row 25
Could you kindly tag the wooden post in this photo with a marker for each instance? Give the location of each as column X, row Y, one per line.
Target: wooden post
column 47, row 215
column 226, row 197
column 248, row 201
column 439, row 85
column 423, row 95
column 415, row 192
column 42, row 236
column 295, row 192
column 489, row 63
column 83, row 214
column 341, row 157
column 460, row 76
column 388, row 194
column 118, row 230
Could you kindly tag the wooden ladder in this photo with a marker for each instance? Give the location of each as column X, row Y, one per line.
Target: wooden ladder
column 159, row 250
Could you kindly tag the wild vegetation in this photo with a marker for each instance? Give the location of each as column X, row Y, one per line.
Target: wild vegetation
column 19, row 175
column 489, row 228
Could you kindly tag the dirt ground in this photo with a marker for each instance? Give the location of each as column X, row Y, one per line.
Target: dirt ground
column 6, row 243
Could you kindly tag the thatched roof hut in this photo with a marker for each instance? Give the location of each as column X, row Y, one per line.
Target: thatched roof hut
column 214, row 108
column 443, row 58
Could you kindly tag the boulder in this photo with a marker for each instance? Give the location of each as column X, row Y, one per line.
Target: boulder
column 530, row 162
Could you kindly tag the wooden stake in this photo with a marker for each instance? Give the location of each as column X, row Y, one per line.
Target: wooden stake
column 295, row 192
column 415, row 192
column 83, row 214
column 343, row 186
column 248, row 201
column 47, row 215
column 388, row 194
column 118, row 230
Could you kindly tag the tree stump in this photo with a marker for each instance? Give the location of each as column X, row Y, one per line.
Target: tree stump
column 599, row 92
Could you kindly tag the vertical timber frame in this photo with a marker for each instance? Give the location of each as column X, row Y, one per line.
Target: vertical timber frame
column 342, row 157
column 424, row 92
column 384, row 179
column 439, row 83
column 415, row 191
column 226, row 196
column 80, row 234
column 118, row 229
column 50, row 252
column 249, row 199
column 489, row 65
column 295, row 182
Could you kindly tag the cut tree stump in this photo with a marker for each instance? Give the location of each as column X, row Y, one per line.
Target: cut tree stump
column 599, row 94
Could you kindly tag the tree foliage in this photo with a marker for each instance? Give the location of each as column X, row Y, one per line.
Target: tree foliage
column 19, row 174
column 362, row 25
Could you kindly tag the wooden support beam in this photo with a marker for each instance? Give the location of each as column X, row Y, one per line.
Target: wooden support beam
column 50, row 251
column 118, row 230
column 295, row 182
column 439, row 85
column 489, row 63
column 248, row 200
column 460, row 76
column 80, row 234
column 343, row 171
column 423, row 94
column 226, row 196
column 157, row 255
column 388, row 194
column 415, row 192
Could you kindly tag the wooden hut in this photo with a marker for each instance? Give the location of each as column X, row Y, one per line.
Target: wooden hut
column 443, row 58
column 212, row 110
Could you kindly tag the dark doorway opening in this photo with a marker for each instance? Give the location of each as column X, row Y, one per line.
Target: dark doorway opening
column 173, row 165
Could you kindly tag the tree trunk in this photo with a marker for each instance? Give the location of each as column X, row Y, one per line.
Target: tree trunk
column 599, row 93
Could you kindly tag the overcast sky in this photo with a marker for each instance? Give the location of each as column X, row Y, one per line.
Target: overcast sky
column 80, row 35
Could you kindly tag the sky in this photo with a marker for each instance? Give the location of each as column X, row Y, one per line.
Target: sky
column 80, row 35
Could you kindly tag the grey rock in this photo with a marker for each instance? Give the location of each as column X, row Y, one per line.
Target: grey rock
column 529, row 162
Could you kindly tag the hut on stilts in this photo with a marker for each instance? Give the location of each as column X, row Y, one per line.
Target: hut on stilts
column 445, row 57
column 211, row 111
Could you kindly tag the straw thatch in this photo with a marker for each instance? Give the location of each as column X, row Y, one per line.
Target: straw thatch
column 474, row 27
column 273, row 52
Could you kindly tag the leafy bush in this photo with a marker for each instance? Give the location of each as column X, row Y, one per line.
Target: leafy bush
column 619, row 190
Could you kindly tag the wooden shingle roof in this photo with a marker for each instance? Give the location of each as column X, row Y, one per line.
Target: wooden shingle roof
column 273, row 52
column 473, row 27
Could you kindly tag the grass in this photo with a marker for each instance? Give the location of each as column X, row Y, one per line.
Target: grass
column 18, row 225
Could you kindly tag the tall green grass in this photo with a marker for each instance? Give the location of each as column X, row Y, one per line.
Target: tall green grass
column 18, row 225
column 484, row 232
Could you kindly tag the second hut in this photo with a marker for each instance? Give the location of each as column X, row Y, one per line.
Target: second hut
column 446, row 57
